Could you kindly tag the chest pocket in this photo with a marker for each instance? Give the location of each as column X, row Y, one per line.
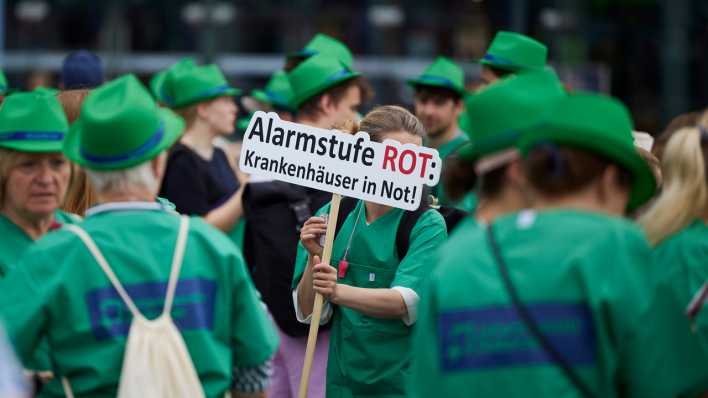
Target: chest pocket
column 367, row 276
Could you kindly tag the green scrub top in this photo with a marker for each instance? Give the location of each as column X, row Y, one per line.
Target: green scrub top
column 582, row 275
column 15, row 241
column 370, row 356
column 59, row 292
column 676, row 355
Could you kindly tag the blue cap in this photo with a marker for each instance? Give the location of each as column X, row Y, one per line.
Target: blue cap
column 82, row 69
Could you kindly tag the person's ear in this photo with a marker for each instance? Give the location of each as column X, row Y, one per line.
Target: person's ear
column 327, row 104
column 459, row 106
column 158, row 165
column 202, row 109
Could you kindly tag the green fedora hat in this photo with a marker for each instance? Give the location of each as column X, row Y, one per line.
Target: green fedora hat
column 323, row 44
column 315, row 75
column 120, row 126
column 499, row 112
column 515, row 52
column 599, row 124
column 443, row 72
column 277, row 92
column 157, row 83
column 32, row 122
column 201, row 83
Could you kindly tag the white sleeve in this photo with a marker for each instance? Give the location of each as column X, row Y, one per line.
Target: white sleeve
column 326, row 311
column 410, row 298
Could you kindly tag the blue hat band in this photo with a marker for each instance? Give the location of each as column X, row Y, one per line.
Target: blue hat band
column 438, row 80
column 276, row 98
column 150, row 144
column 340, row 74
column 498, row 60
column 32, row 136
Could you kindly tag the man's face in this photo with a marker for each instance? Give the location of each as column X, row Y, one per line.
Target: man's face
column 437, row 113
column 347, row 106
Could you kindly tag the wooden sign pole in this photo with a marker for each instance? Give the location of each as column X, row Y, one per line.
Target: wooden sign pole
column 317, row 308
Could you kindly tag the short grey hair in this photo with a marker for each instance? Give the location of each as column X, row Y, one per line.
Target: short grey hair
column 123, row 180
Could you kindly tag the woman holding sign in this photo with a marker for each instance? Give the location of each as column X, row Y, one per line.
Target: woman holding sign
column 374, row 283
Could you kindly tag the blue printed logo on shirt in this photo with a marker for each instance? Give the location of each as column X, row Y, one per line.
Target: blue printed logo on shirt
column 495, row 337
column 193, row 306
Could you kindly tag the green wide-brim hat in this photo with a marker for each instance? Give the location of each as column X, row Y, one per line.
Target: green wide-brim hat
column 157, row 83
column 599, row 124
column 277, row 92
column 326, row 45
column 201, row 83
column 121, row 126
column 32, row 122
column 315, row 75
column 515, row 52
column 443, row 72
column 499, row 112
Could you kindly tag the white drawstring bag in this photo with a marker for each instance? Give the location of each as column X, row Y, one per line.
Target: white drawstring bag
column 156, row 363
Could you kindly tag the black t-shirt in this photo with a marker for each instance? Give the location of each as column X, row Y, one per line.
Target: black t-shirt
column 196, row 185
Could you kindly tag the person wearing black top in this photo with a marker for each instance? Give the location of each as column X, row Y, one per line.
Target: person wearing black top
column 200, row 179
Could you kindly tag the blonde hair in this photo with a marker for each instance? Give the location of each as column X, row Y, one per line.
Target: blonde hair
column 684, row 196
column 8, row 160
column 80, row 196
column 386, row 119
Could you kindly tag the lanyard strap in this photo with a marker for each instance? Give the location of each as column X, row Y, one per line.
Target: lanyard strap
column 531, row 323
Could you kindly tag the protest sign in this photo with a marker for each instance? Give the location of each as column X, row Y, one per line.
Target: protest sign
column 352, row 165
column 388, row 173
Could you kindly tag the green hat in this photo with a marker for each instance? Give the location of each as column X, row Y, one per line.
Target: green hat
column 443, row 72
column 4, row 88
column 120, row 126
column 515, row 52
column 315, row 75
column 32, row 122
column 157, row 83
column 187, row 86
column 323, row 44
column 599, row 124
column 277, row 92
column 499, row 112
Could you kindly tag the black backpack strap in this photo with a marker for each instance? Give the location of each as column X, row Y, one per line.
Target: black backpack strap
column 530, row 322
column 346, row 206
column 405, row 227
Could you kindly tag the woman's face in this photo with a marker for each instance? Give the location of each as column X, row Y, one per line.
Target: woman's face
column 220, row 114
column 36, row 185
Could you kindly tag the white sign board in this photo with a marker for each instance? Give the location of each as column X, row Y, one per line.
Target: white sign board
column 352, row 165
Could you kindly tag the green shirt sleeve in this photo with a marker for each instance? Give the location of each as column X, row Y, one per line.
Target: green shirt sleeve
column 22, row 305
column 254, row 337
column 427, row 235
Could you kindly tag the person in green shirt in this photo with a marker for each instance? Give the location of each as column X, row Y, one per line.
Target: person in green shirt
column 372, row 300
column 676, row 344
column 34, row 174
column 439, row 101
column 572, row 266
column 34, row 177
column 60, row 293
column 489, row 163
